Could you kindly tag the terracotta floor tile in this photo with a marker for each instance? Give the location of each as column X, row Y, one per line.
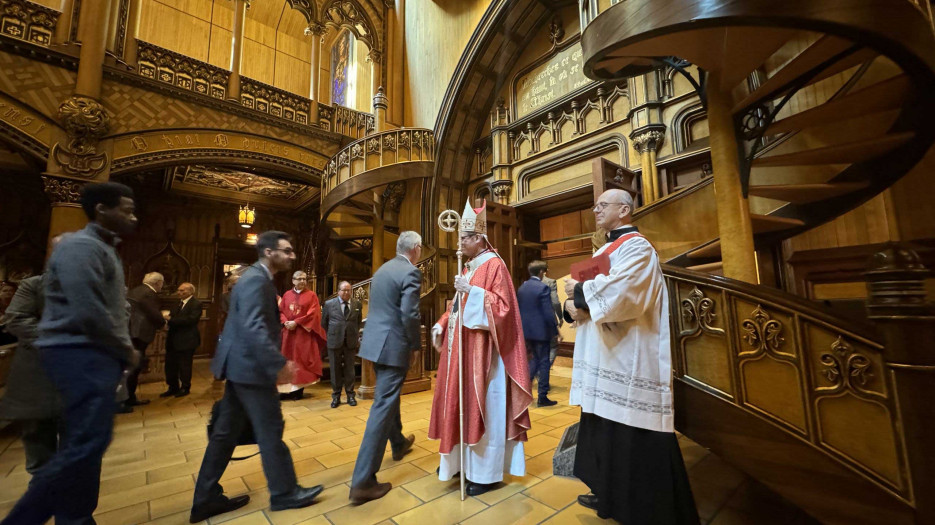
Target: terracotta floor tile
column 395, row 502
column 515, row 510
column 448, row 509
column 557, row 492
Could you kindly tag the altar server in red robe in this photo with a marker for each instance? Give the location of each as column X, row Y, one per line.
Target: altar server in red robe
column 302, row 336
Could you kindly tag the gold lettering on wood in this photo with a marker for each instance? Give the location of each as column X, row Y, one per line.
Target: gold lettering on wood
column 559, row 76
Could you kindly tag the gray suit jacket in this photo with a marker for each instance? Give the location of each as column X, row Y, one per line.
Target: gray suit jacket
column 393, row 321
column 145, row 316
column 30, row 393
column 341, row 331
column 556, row 305
column 249, row 349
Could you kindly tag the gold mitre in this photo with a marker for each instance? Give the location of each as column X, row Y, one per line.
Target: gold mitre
column 474, row 220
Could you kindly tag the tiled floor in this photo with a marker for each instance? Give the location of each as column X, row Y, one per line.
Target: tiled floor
column 149, row 470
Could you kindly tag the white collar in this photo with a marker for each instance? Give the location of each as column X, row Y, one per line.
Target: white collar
column 151, row 288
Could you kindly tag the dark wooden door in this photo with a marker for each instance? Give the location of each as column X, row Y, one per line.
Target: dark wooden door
column 608, row 175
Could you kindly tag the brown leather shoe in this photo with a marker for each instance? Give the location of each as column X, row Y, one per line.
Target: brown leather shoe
column 398, row 454
column 361, row 495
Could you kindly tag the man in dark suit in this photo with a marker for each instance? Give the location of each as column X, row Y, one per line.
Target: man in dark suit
column 341, row 320
column 248, row 356
column 181, row 341
column 557, row 307
column 145, row 320
column 539, row 326
column 391, row 332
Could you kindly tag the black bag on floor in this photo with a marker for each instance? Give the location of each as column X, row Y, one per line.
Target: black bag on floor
column 246, row 436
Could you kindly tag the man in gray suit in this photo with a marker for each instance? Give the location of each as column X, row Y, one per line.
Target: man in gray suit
column 391, row 332
column 341, row 320
column 248, row 356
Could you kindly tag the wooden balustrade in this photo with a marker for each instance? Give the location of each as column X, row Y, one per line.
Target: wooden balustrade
column 173, row 68
column 274, row 101
column 380, row 150
column 352, row 123
column 26, row 21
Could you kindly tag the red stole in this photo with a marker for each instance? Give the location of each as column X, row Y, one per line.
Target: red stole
column 505, row 338
column 303, row 344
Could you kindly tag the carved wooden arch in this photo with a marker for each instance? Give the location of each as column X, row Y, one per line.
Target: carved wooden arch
column 350, row 14
column 599, row 146
column 308, row 8
column 681, row 125
column 150, row 149
column 25, row 129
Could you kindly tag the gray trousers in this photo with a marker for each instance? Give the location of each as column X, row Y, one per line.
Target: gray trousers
column 259, row 405
column 342, row 369
column 383, row 424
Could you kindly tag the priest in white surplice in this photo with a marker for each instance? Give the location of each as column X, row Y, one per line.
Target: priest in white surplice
column 627, row 451
column 496, row 372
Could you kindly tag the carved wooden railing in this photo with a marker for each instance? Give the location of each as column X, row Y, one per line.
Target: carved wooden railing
column 173, row 68
column 774, row 361
column 24, row 20
column 277, row 102
column 380, row 150
column 361, row 290
column 352, row 123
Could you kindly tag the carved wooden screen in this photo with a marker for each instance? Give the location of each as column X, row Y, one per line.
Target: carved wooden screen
column 503, row 230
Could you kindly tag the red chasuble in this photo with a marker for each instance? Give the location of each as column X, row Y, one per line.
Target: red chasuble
column 302, row 345
column 505, row 338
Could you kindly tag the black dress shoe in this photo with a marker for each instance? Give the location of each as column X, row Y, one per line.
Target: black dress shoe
column 476, row 489
column 219, row 506
column 588, row 500
column 336, row 401
column 138, row 402
column 544, row 401
column 183, row 392
column 169, row 393
column 300, row 497
column 351, row 400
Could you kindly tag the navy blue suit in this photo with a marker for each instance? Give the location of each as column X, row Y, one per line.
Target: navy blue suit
column 539, row 327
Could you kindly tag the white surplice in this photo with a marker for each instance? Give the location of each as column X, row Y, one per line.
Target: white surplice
column 622, row 361
column 486, row 461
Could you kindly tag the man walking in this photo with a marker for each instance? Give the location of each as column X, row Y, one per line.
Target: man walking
column 341, row 320
column 391, row 332
column 145, row 320
column 539, row 326
column 182, row 341
column 248, row 356
column 84, row 343
column 557, row 308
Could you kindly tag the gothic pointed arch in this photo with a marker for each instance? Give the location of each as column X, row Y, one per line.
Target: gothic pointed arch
column 351, row 15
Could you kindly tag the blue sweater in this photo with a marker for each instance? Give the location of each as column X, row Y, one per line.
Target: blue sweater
column 85, row 295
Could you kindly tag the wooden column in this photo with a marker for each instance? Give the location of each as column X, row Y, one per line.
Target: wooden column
column 316, row 31
column 395, row 62
column 112, row 22
column 368, row 378
column 92, row 32
column 501, row 154
column 131, row 46
column 67, row 214
column 897, row 303
column 63, row 27
column 647, row 143
column 733, row 209
column 376, row 83
column 233, row 83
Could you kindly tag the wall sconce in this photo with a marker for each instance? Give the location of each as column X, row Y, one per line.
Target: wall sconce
column 247, row 216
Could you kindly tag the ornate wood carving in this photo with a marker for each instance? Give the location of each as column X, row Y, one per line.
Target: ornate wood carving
column 763, row 334
column 86, row 122
column 350, row 14
column 274, row 101
column 179, row 70
column 24, row 20
column 698, row 315
column 122, row 19
column 846, row 369
column 62, row 191
column 350, row 122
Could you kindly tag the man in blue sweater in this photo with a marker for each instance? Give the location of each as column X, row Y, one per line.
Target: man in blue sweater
column 84, row 342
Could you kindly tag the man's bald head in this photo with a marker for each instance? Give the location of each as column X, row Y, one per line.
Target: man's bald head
column 613, row 209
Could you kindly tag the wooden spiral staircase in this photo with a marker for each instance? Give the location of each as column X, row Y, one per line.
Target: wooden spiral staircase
column 831, row 103
column 831, row 100
column 354, row 188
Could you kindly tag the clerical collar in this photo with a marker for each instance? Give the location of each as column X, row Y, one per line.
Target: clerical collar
column 297, row 291
column 620, row 232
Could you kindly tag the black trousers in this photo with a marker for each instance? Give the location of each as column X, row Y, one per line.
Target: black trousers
column 260, row 405
column 383, row 424
column 179, row 368
column 134, row 378
column 40, row 441
column 342, row 369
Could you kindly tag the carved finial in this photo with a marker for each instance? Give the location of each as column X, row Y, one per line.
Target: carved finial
column 896, row 284
column 556, row 31
column 316, row 28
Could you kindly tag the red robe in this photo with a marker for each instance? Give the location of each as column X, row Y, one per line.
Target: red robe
column 504, row 337
column 302, row 345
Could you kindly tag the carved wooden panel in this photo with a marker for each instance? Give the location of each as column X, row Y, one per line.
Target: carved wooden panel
column 24, row 20
column 703, row 355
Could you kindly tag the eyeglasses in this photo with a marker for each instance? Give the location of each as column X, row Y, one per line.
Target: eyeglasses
column 300, row 278
column 601, row 206
column 287, row 251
